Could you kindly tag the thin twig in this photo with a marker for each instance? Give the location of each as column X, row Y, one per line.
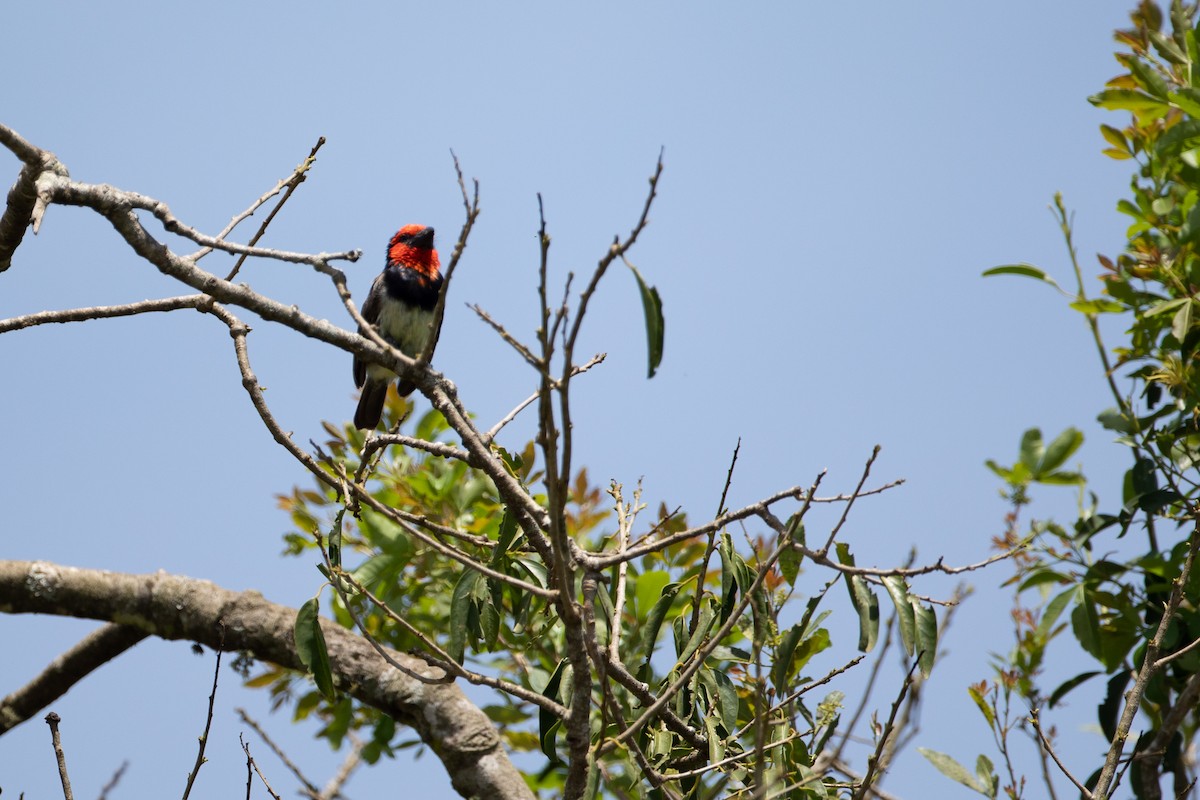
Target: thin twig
column 712, row 540
column 866, row 473
column 52, row 720
column 1035, row 721
column 252, row 764
column 212, row 699
column 113, row 781
column 297, row 177
column 875, row 762
column 310, row 787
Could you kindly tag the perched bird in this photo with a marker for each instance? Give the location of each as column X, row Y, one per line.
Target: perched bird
column 400, row 307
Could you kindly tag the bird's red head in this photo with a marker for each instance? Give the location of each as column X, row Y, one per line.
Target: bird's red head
column 412, row 247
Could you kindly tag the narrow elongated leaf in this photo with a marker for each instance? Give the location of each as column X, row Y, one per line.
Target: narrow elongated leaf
column 1128, row 100
column 1145, row 76
column 461, row 604
column 1114, row 420
column 789, row 564
column 1059, row 450
column 707, row 617
column 654, row 621
column 1186, row 99
column 1053, row 610
column 1032, row 449
column 905, row 617
column 1114, row 137
column 310, row 647
column 1026, row 270
column 1098, row 305
column 652, row 307
column 927, row 635
column 1178, row 137
column 1066, row 686
column 866, row 605
column 985, row 773
column 984, row 705
column 548, row 724
column 952, row 769
column 727, row 699
column 783, row 658
column 1182, row 321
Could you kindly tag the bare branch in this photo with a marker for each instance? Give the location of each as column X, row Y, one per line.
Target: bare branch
column 471, row 206
column 310, row 788
column 251, row 763
column 52, row 720
column 113, row 781
column 97, row 648
column 850, row 503
column 212, row 699
column 174, row 607
column 297, row 177
column 1035, row 721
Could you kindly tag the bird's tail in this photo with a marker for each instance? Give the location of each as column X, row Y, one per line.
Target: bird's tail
column 370, row 405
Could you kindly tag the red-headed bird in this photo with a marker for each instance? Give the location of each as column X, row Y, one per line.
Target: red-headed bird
column 400, row 307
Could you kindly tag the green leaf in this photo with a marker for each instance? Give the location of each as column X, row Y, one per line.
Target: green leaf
column 310, row 647
column 1032, row 449
column 654, row 623
column 1027, row 270
column 985, row 771
column 984, row 706
column 647, row 590
column 952, row 769
column 462, row 602
column 548, row 723
column 1062, row 448
column 1099, row 305
column 1187, row 100
column 866, row 605
column 1053, row 611
column 905, row 616
column 1145, row 75
column 927, row 636
column 727, row 699
column 1182, row 321
column 1114, row 419
column 1114, row 697
column 1061, row 692
column 1128, row 100
column 1178, row 138
column 789, row 564
column 1114, row 137
column 1167, row 48
column 705, row 623
column 652, row 306
column 1062, row 479
column 1085, row 622
column 781, row 671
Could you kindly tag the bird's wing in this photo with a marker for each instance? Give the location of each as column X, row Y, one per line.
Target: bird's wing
column 370, row 312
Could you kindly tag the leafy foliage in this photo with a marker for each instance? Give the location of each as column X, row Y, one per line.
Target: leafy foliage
column 744, row 694
column 1136, row 615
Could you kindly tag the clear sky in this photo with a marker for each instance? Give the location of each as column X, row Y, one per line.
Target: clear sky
column 837, row 178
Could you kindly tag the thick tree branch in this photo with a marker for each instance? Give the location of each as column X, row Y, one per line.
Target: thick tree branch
column 97, row 648
column 177, row 608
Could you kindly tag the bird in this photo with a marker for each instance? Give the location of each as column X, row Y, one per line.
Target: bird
column 400, row 307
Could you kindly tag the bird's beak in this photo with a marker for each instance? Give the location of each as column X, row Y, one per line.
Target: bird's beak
column 424, row 239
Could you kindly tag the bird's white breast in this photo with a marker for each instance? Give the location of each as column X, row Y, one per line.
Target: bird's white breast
column 407, row 327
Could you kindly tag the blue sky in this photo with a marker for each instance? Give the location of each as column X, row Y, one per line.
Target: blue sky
column 836, row 181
